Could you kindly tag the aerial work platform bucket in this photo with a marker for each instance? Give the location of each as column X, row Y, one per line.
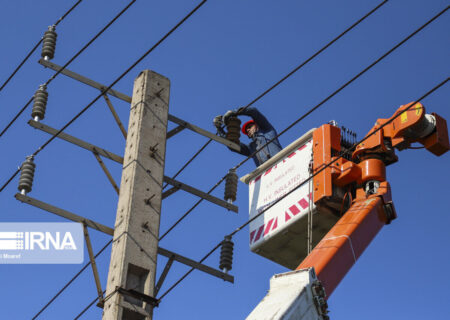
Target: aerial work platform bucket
column 280, row 233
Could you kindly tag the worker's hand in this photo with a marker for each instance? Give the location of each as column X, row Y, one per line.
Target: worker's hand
column 228, row 114
column 218, row 122
column 240, row 110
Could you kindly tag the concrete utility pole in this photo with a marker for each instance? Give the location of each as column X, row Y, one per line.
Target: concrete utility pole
column 131, row 277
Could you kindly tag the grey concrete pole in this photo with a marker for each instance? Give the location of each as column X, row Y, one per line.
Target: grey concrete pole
column 134, row 250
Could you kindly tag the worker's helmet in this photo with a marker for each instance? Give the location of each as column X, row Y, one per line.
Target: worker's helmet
column 248, row 123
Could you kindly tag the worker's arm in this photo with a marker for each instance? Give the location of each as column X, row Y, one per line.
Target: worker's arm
column 257, row 116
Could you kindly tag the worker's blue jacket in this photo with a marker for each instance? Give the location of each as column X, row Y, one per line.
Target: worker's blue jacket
column 264, row 134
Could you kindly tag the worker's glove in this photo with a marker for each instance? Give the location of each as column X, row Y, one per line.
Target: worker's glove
column 240, row 110
column 228, row 114
column 218, row 122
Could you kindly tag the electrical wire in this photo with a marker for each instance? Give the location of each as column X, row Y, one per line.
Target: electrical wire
column 42, row 147
column 297, row 68
column 38, row 44
column 70, row 282
column 301, row 65
column 318, row 106
column 70, row 61
column 301, row 184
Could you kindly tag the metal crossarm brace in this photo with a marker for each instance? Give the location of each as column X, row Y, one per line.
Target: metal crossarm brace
column 76, row 141
column 163, row 275
column 94, row 266
column 106, row 171
column 65, row 214
column 196, row 265
column 110, row 231
column 115, row 115
column 176, row 184
column 127, row 98
column 201, row 194
column 174, row 131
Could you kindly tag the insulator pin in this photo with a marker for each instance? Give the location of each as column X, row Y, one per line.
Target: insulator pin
column 231, row 184
column 49, row 43
column 26, row 175
column 39, row 103
column 233, row 125
column 226, row 254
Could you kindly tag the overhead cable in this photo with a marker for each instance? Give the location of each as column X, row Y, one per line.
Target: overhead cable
column 70, row 282
column 38, row 44
column 297, row 68
column 301, row 184
column 317, row 106
column 69, row 62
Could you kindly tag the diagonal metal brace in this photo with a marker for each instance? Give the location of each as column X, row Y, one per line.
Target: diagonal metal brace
column 196, row 265
column 101, row 300
column 201, row 194
column 106, row 171
column 163, row 275
column 127, row 98
column 174, row 131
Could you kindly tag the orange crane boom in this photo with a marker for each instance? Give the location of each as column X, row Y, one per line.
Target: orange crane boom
column 368, row 199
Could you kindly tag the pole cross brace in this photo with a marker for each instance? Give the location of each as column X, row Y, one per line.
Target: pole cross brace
column 138, row 295
column 110, row 155
column 110, row 231
column 127, row 98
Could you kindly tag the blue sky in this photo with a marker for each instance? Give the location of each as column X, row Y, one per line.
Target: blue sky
column 223, row 57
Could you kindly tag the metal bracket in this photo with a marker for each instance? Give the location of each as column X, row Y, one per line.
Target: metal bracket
column 101, row 301
column 115, row 115
column 63, row 213
column 106, row 171
column 138, row 295
column 127, row 98
column 201, row 194
column 163, row 275
column 174, row 131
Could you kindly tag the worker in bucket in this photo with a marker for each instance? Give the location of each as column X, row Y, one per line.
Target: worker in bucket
column 258, row 129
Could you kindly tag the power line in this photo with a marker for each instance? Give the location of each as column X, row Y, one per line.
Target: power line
column 345, row 85
column 70, row 281
column 297, row 68
column 301, row 184
column 105, row 90
column 301, row 65
column 37, row 45
column 42, row 147
column 70, row 61
column 306, row 114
